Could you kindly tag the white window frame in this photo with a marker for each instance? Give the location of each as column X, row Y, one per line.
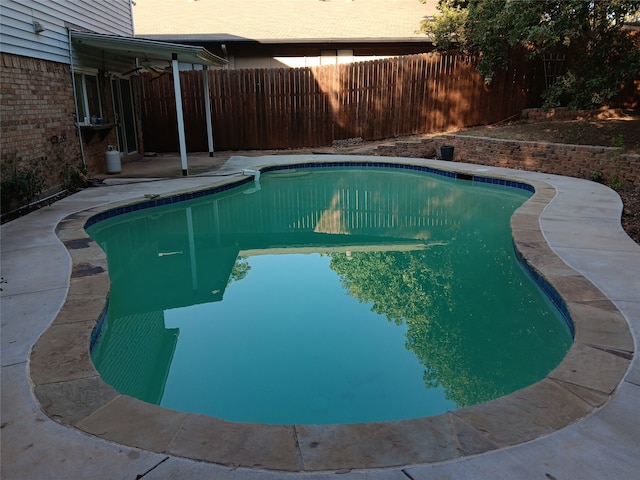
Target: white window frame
column 121, row 123
column 82, row 98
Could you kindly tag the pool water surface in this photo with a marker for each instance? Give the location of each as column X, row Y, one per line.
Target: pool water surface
column 333, row 295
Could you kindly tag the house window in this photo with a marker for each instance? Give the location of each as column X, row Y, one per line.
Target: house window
column 328, row 57
column 345, row 56
column 87, row 96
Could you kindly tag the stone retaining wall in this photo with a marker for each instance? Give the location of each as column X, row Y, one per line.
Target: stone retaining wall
column 562, row 114
column 582, row 161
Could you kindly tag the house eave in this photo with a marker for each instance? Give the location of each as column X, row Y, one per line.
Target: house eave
column 223, row 38
column 147, row 49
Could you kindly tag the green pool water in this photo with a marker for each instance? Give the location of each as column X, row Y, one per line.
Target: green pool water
column 328, row 295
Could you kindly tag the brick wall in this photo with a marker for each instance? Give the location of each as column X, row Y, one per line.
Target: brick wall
column 95, row 145
column 37, row 119
column 580, row 161
column 36, row 114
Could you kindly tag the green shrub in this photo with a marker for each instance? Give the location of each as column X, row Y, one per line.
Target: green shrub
column 597, row 176
column 22, row 182
column 616, row 181
column 73, row 177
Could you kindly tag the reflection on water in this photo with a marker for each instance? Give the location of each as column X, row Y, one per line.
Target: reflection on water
column 340, row 296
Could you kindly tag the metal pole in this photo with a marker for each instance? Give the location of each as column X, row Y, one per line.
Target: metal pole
column 75, row 100
column 178, row 92
column 207, row 108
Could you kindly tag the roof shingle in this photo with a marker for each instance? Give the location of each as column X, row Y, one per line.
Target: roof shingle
column 265, row 20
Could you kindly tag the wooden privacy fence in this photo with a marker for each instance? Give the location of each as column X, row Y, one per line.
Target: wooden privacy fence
column 310, row 107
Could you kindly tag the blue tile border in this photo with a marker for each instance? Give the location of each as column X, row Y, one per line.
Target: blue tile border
column 114, row 212
column 221, row 188
column 551, row 293
column 96, row 333
column 356, row 163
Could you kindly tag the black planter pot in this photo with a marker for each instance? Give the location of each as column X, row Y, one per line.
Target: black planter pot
column 446, row 152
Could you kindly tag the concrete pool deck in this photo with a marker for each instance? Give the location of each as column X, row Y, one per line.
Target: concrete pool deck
column 580, row 422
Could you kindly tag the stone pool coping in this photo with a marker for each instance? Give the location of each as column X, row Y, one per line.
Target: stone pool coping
column 71, row 392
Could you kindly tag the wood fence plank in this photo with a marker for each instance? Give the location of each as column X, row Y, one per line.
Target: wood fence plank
column 308, row 107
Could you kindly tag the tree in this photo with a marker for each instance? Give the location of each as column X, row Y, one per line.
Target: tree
column 436, row 293
column 447, row 29
column 598, row 54
column 240, row 269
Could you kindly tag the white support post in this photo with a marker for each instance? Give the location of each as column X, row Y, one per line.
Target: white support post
column 181, row 136
column 207, row 108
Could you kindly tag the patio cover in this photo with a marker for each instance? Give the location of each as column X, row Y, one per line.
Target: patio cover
column 147, row 50
column 156, row 51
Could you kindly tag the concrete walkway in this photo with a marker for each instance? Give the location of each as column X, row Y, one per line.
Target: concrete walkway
column 581, row 224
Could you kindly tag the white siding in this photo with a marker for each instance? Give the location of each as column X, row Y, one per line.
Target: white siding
column 17, row 35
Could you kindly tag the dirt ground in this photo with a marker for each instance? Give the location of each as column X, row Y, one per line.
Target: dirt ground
column 621, row 132
column 612, row 132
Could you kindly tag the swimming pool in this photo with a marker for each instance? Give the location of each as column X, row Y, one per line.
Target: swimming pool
column 420, row 234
